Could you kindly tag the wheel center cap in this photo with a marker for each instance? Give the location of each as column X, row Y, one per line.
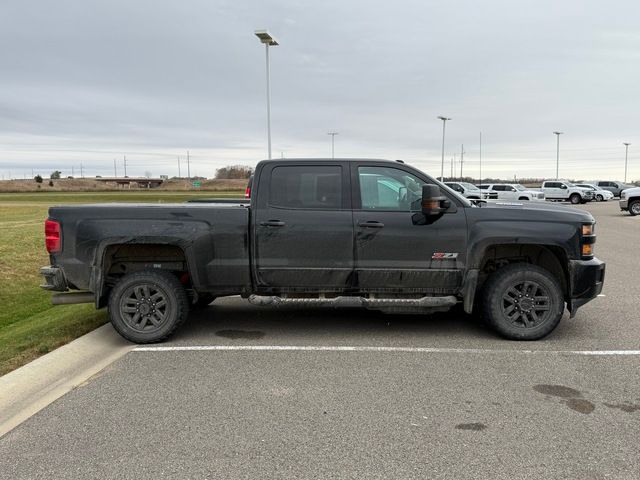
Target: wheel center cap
column 526, row 304
column 144, row 308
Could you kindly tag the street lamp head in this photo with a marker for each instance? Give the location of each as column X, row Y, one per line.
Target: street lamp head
column 626, row 144
column 265, row 37
column 558, row 133
column 332, row 133
column 444, row 118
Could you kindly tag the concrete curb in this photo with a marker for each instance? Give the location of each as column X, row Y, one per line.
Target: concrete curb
column 30, row 388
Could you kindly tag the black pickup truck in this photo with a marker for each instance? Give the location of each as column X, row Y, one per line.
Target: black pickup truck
column 369, row 233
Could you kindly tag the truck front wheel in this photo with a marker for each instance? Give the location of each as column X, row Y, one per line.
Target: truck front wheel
column 147, row 306
column 523, row 302
column 575, row 198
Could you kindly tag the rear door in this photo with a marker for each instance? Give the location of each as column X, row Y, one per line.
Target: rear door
column 393, row 253
column 303, row 229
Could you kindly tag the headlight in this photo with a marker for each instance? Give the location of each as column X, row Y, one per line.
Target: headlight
column 623, row 195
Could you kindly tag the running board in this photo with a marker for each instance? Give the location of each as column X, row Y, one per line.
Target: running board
column 391, row 305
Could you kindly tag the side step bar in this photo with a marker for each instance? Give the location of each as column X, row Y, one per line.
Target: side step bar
column 73, row 297
column 384, row 304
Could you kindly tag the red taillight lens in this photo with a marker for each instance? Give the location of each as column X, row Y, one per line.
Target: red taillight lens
column 247, row 192
column 52, row 236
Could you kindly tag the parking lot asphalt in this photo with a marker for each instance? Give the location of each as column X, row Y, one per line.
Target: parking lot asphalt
column 292, row 393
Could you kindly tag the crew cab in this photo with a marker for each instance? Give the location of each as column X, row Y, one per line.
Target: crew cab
column 470, row 191
column 514, row 191
column 566, row 191
column 343, row 233
column 630, row 200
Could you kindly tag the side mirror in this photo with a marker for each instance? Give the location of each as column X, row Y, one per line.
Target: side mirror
column 432, row 202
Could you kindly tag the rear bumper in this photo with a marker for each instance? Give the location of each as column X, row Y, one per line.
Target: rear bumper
column 586, row 280
column 54, row 279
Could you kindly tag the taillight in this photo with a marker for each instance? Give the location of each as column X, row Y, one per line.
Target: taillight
column 247, row 192
column 52, row 236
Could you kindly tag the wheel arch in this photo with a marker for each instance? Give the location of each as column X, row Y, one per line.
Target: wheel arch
column 116, row 258
column 493, row 256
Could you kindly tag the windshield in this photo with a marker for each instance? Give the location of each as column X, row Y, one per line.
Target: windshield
column 519, row 187
column 569, row 184
column 590, row 187
column 469, row 186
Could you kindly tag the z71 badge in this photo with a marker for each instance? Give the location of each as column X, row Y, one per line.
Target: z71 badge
column 444, row 256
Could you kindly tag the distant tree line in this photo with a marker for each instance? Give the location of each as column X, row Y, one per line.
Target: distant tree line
column 234, row 171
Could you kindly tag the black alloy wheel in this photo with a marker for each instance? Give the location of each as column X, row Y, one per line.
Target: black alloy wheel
column 148, row 306
column 523, row 301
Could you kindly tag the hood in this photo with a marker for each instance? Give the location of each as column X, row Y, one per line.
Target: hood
column 539, row 211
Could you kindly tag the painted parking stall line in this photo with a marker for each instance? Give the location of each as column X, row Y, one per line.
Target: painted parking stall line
column 347, row 348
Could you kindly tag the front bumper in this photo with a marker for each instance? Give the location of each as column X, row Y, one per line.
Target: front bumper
column 586, row 278
column 624, row 204
column 54, row 279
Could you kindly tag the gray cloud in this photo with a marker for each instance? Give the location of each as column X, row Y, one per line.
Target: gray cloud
column 90, row 81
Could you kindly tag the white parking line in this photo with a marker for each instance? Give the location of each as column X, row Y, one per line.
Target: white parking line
column 343, row 348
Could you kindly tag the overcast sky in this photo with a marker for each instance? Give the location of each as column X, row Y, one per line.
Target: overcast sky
column 88, row 82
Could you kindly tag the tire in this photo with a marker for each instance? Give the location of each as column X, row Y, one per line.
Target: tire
column 575, row 198
column 599, row 198
column 507, row 290
column 134, row 310
column 634, row 207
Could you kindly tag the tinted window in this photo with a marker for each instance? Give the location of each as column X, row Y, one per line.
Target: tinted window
column 552, row 185
column 499, row 188
column 389, row 189
column 316, row 187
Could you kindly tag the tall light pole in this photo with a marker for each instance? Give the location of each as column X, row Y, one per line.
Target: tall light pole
column 333, row 144
column 626, row 156
column 480, row 157
column 444, row 122
column 557, row 134
column 268, row 41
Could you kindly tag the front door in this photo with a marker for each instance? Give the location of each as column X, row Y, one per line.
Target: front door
column 393, row 252
column 303, row 227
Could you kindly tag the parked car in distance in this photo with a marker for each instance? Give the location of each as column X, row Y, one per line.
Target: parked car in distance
column 614, row 187
column 470, row 191
column 599, row 194
column 513, row 191
column 563, row 190
column 630, row 200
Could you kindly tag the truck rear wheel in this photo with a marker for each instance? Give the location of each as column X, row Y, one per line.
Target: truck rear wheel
column 575, row 198
column 523, row 302
column 147, row 306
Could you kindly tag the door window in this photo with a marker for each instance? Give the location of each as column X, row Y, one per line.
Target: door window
column 384, row 188
column 310, row 187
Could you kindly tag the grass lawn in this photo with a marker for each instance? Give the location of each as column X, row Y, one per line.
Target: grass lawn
column 29, row 325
